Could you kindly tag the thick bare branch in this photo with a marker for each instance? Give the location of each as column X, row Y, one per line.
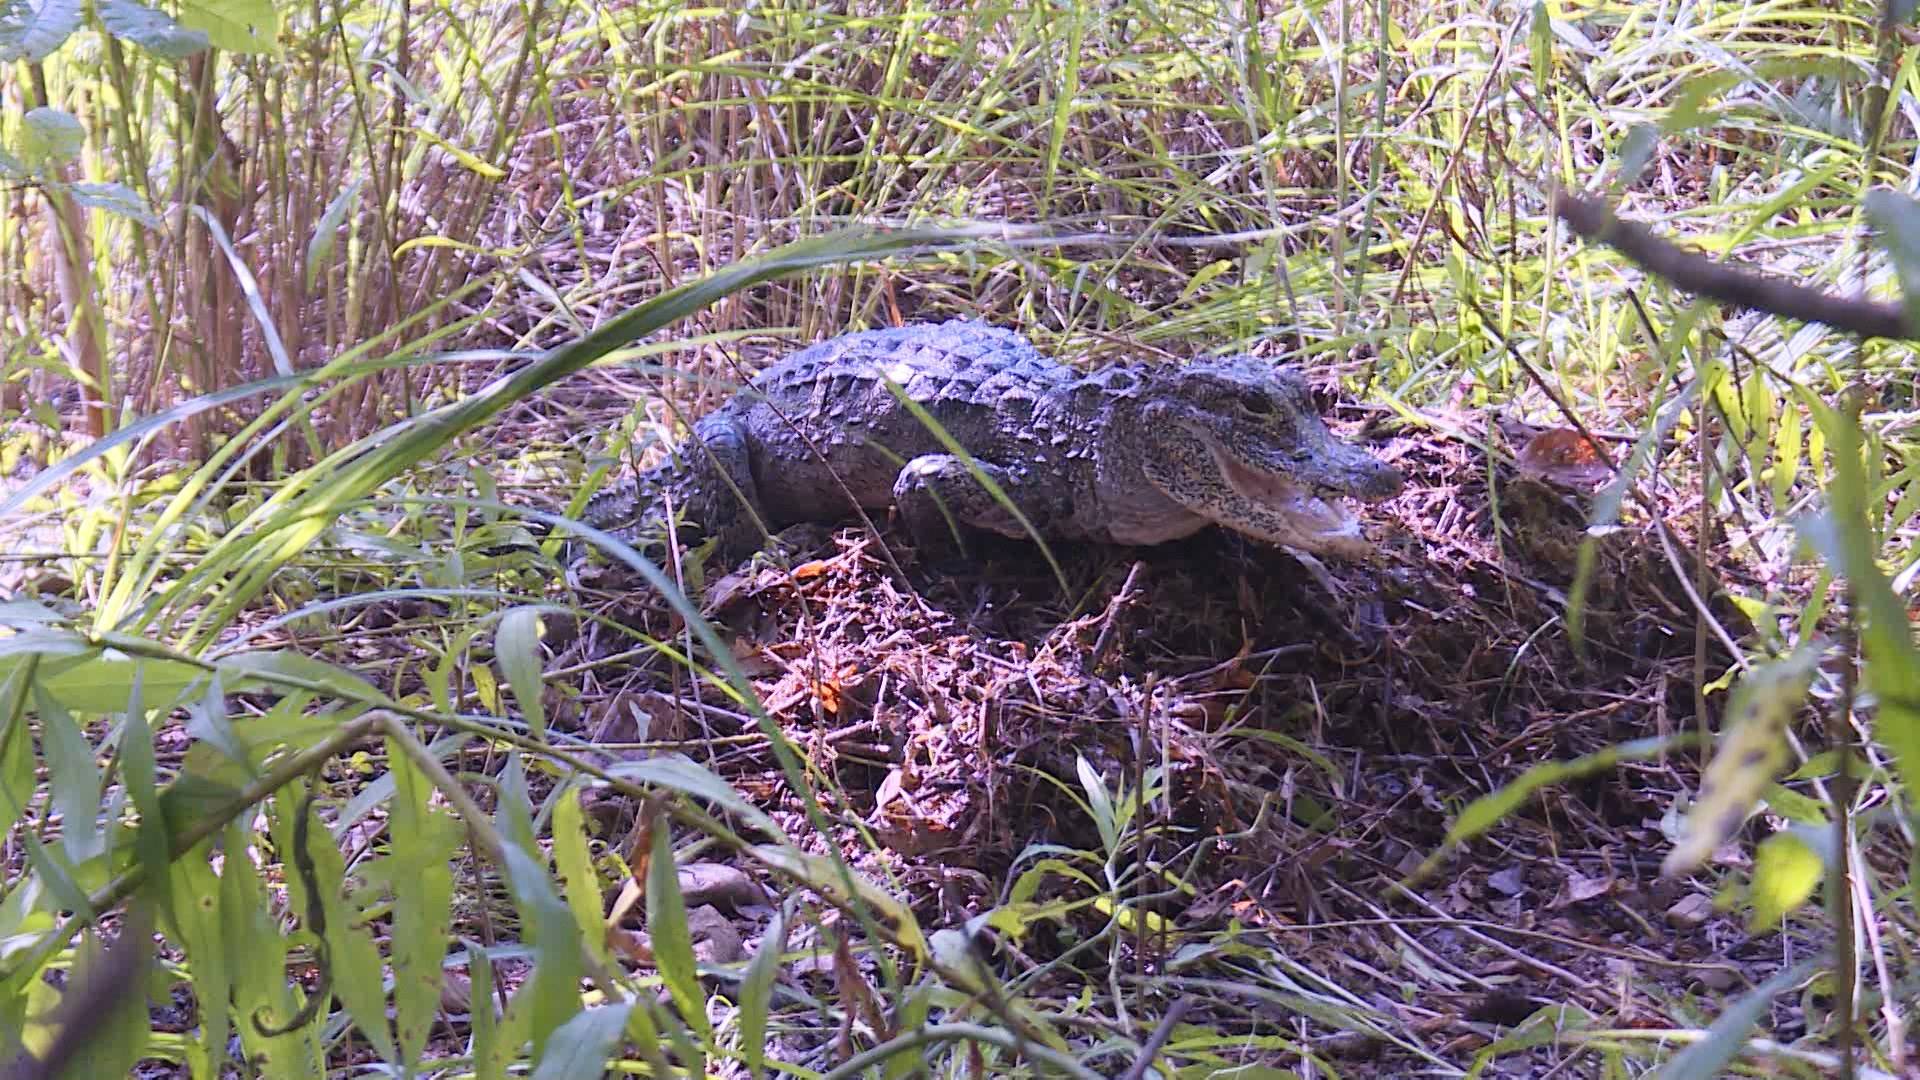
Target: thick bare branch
column 1693, row 272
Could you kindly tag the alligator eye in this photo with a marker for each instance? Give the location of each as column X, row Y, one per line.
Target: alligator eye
column 1257, row 404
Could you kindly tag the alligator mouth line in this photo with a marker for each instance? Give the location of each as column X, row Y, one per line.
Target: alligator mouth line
column 1313, row 515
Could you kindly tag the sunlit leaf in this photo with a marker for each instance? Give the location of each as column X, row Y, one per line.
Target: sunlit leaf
column 574, row 860
column 667, row 929
column 198, row 926
column 516, row 645
column 1787, row 868
column 355, row 958
column 242, row 26
column 1748, row 756
column 1844, row 537
column 32, row 29
column 50, row 137
column 845, row 886
column 423, row 842
column 154, row 31
column 580, row 1048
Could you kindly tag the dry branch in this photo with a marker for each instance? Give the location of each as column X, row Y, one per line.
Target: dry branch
column 1693, row 272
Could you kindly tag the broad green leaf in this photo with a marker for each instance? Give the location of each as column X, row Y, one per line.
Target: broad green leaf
column 1787, row 867
column 844, row 886
column 154, row 31
column 261, row 991
column 32, row 29
column 357, row 973
column 490, row 1050
column 208, row 786
column 424, row 840
column 75, row 780
column 1540, row 44
column 1751, row 751
column 913, row 1016
column 17, row 783
column 114, row 1041
column 1795, row 807
column 516, row 646
column 90, row 679
column 284, row 670
column 1099, row 803
column 116, row 199
column 1788, row 449
column 152, row 843
column 677, row 772
column 1692, row 107
column 582, row 1046
column 1635, row 151
column 574, row 860
column 552, row 994
column 1844, row 537
column 667, row 930
column 1758, row 404
column 1550, row 1025
column 198, row 922
column 50, row 138
column 1027, row 885
column 242, row 26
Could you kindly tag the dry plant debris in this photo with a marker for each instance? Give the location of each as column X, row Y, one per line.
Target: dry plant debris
column 1318, row 730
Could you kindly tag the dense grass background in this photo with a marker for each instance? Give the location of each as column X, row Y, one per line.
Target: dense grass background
column 310, row 315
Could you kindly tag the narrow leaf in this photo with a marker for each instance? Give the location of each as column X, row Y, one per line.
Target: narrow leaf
column 667, row 928
column 581, row 1047
column 1751, row 752
column 756, row 995
column 1708, row 1059
column 516, row 646
column 582, row 882
column 423, row 843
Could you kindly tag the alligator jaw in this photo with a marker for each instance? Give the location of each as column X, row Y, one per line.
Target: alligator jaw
column 1317, row 523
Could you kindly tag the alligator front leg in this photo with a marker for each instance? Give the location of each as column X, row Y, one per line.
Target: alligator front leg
column 707, row 487
column 935, row 493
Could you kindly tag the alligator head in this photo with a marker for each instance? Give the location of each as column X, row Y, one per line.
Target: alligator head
column 1239, row 442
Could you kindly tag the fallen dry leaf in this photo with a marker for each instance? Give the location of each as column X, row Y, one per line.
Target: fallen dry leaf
column 1564, row 456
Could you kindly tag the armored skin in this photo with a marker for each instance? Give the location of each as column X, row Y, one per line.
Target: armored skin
column 1133, row 454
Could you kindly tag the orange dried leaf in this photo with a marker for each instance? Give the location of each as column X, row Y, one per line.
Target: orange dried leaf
column 1565, row 456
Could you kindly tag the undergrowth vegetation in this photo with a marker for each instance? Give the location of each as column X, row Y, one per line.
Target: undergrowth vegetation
column 322, row 324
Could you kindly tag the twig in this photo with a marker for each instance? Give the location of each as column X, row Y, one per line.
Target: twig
column 1694, row 272
column 1128, row 592
column 1158, row 1039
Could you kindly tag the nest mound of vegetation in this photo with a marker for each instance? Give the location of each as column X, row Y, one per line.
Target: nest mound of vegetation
column 1304, row 735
